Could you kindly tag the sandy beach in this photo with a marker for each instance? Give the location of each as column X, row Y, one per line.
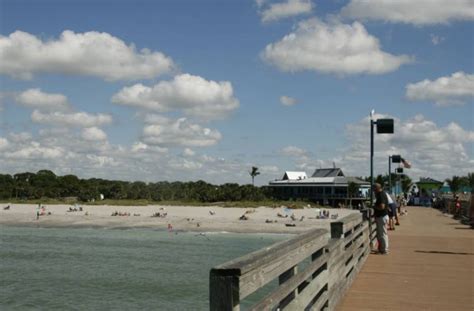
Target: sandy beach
column 181, row 218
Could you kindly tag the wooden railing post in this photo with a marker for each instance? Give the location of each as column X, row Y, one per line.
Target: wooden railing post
column 223, row 292
column 337, row 230
column 285, row 276
column 335, row 260
column 367, row 215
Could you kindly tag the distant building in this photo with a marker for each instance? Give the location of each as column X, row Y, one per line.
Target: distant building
column 327, row 186
column 328, row 172
column 445, row 189
column 428, row 185
column 294, row 175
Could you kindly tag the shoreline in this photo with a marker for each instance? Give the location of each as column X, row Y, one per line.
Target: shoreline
column 181, row 218
column 157, row 229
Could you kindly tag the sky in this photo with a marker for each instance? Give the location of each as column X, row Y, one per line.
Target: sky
column 203, row 90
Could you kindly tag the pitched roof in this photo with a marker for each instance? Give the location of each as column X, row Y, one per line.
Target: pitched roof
column 338, row 180
column 349, row 179
column 327, row 172
column 429, row 180
column 294, row 175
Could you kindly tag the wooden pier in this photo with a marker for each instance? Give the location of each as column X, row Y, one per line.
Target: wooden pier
column 430, row 267
column 334, row 259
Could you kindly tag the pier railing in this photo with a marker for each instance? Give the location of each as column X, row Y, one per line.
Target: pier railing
column 313, row 269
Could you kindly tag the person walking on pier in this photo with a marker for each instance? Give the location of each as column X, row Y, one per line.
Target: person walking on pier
column 381, row 218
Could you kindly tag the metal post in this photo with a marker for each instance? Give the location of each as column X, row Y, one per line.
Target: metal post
column 399, row 186
column 389, row 174
column 371, row 163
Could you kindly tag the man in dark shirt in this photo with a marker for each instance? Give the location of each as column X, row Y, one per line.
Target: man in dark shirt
column 381, row 218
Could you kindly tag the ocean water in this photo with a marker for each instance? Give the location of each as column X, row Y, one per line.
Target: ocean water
column 110, row 269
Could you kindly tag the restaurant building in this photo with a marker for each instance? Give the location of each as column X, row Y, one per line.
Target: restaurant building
column 327, row 186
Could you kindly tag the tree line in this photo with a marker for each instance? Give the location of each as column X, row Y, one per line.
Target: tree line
column 45, row 184
column 456, row 183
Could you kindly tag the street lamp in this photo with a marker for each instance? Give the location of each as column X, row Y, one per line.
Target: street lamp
column 384, row 126
column 392, row 159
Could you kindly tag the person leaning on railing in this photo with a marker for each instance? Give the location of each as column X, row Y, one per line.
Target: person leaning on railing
column 381, row 218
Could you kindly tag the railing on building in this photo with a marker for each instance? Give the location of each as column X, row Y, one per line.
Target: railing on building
column 334, row 260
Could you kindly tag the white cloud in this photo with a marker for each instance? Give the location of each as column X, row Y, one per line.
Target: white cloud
column 98, row 161
column 2, row 97
column 93, row 134
column 451, row 90
column 184, row 164
column 181, row 132
column 55, row 110
column 269, row 169
column 35, row 150
column 193, row 95
column 20, row 137
column 91, row 53
column 436, row 39
column 305, row 160
column 260, row 3
column 419, row 12
column 292, row 151
column 188, row 152
column 288, row 8
column 67, row 152
column 139, row 146
column 37, row 99
column 3, row 143
column 433, row 150
column 287, row 101
column 74, row 119
column 331, row 48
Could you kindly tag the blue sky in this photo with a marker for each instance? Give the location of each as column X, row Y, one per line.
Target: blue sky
column 96, row 105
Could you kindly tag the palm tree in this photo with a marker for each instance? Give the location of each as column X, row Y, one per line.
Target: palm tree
column 470, row 178
column 406, row 183
column 352, row 190
column 455, row 184
column 253, row 173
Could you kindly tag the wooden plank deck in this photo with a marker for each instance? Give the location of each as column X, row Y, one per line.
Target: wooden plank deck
column 430, row 267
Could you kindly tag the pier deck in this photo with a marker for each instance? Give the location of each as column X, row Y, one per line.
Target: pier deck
column 430, row 267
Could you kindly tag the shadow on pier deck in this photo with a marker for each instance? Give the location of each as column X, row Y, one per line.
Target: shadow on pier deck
column 430, row 267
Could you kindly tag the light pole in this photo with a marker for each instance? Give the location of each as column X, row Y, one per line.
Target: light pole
column 384, row 126
column 399, row 172
column 392, row 159
column 390, row 173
